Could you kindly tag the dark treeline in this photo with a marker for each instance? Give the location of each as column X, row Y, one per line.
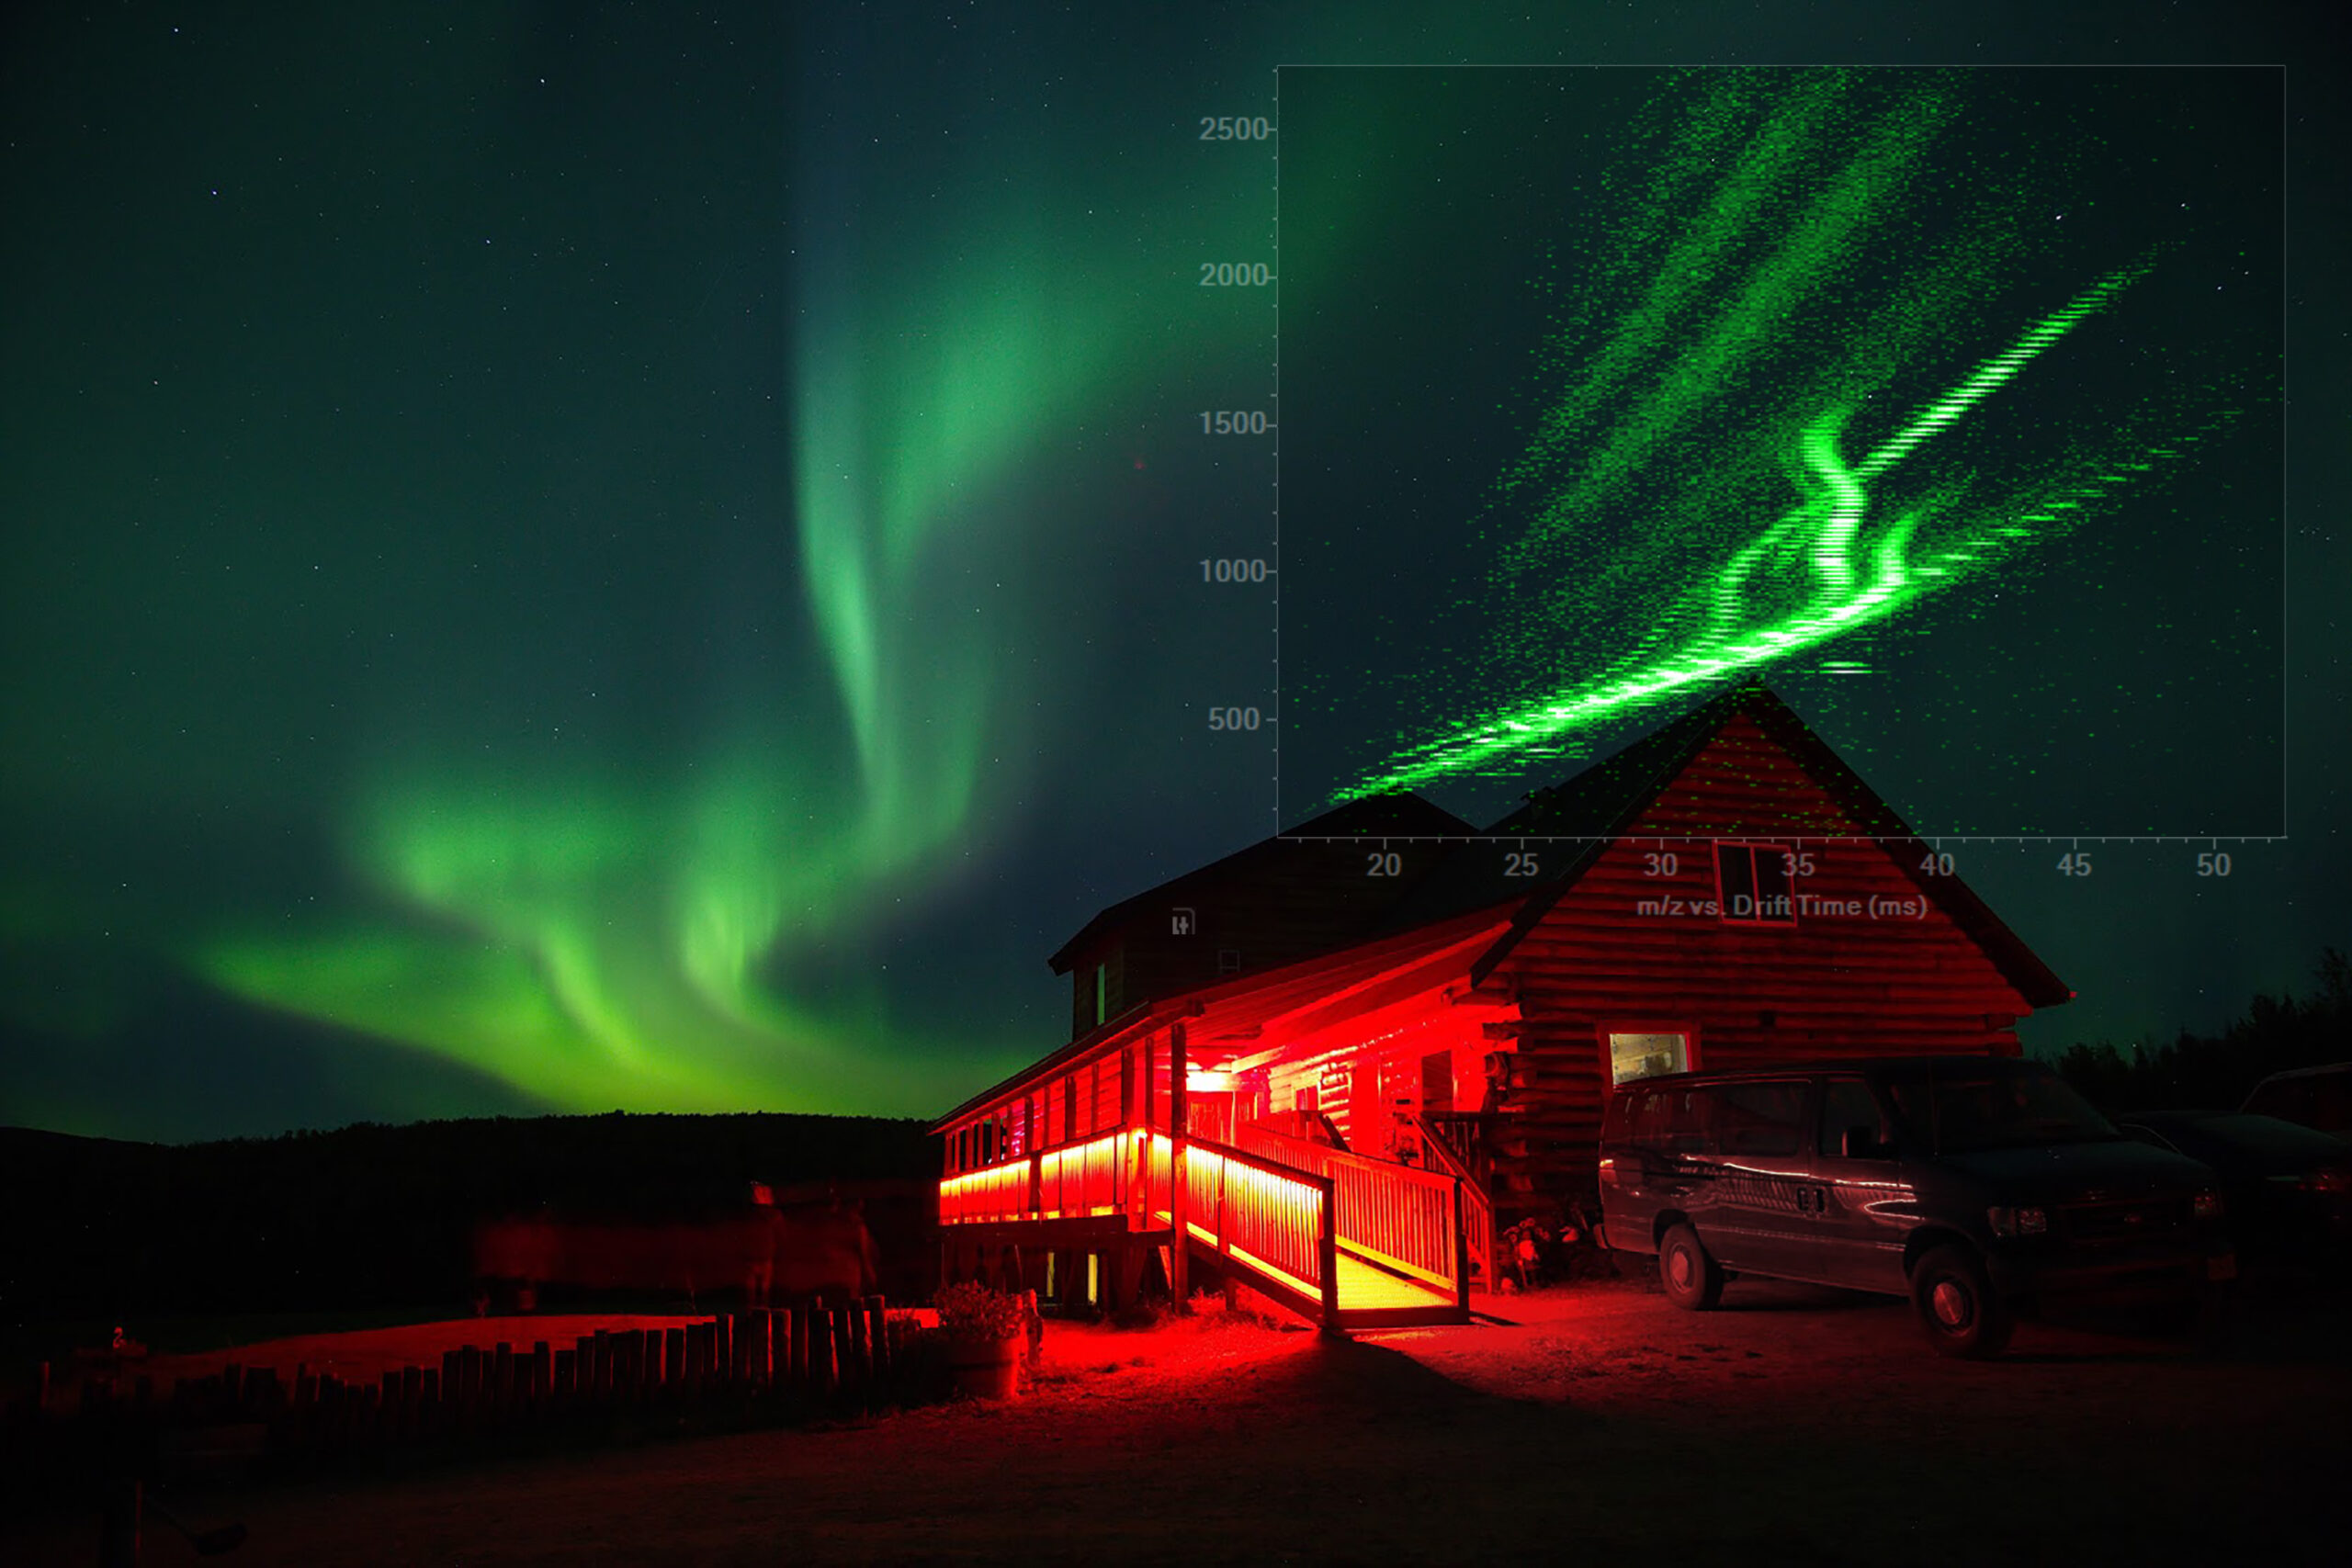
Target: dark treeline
column 2215, row 1071
column 372, row 1216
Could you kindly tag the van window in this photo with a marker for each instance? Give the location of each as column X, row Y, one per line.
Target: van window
column 1759, row 1118
column 1957, row 1109
column 1848, row 1103
column 1668, row 1121
column 1756, row 1119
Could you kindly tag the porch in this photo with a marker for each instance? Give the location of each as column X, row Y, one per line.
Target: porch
column 1343, row 1240
column 1304, row 1131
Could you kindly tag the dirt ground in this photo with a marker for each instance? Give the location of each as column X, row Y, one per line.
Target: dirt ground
column 1795, row 1426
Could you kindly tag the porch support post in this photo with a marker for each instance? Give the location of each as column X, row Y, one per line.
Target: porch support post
column 1179, row 1114
column 1327, row 1254
column 1461, row 1254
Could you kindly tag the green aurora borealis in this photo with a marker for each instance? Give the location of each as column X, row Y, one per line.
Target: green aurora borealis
column 1778, row 267
column 634, row 557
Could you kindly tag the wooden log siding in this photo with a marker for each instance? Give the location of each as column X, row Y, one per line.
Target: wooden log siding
column 1823, row 986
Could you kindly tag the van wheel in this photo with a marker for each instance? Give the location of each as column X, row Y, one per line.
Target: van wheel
column 1693, row 1281
column 1963, row 1314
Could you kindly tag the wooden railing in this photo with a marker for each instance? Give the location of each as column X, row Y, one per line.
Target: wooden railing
column 1083, row 1179
column 1477, row 1205
column 1283, row 1206
column 1071, row 1182
column 994, row 1192
column 1404, row 1218
column 1263, row 1212
column 1464, row 1132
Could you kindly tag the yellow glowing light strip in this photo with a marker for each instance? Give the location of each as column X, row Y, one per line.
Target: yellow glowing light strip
column 1014, row 1173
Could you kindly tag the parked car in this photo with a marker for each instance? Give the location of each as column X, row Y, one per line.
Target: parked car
column 2315, row 1097
column 1976, row 1185
column 2286, row 1189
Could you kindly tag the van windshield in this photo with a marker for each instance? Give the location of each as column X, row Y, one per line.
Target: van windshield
column 1955, row 1110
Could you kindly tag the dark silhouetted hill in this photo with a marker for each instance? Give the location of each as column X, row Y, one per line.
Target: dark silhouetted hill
column 374, row 1216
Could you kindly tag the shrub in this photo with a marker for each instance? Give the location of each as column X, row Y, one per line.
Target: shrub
column 972, row 1311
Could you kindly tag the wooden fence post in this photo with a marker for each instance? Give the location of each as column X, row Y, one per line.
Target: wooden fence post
column 845, row 1368
column 878, row 1338
column 861, row 1352
column 306, row 1402
column 821, row 1354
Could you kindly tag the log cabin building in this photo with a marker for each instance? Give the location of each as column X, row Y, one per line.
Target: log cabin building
column 1341, row 1061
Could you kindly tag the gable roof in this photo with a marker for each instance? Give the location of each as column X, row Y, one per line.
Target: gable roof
column 1400, row 815
column 1466, row 896
column 1597, row 806
column 1605, row 801
column 1250, row 1001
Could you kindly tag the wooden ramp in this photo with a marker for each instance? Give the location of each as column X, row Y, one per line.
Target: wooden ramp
column 1342, row 1241
column 1370, row 1296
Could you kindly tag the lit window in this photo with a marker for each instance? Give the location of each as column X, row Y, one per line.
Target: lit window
column 1647, row 1055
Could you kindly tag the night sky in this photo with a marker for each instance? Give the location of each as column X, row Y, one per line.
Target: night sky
column 563, row 558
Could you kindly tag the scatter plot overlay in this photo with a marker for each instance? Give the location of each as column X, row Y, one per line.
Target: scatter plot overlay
column 1947, row 402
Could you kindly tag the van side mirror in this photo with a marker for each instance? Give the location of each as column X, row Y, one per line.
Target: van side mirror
column 1861, row 1143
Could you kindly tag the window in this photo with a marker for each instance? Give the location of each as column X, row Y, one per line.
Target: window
column 1437, row 1083
column 1229, row 961
column 1102, row 992
column 1848, row 1103
column 1160, row 1110
column 1762, row 1119
column 1959, row 1110
column 1107, row 1083
column 1647, row 1055
column 1669, row 1120
column 1752, row 884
